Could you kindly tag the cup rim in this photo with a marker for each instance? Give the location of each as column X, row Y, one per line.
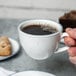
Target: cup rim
column 22, row 23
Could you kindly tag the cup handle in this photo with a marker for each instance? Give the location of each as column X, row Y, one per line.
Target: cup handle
column 63, row 48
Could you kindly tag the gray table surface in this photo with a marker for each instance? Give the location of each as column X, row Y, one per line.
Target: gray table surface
column 57, row 64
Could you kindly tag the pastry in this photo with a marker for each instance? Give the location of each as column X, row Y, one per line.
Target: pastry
column 5, row 46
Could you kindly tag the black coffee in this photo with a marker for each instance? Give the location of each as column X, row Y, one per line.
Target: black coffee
column 39, row 30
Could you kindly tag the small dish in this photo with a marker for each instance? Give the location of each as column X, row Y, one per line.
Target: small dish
column 15, row 49
column 33, row 73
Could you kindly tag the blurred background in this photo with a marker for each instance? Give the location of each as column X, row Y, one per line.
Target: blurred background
column 28, row 9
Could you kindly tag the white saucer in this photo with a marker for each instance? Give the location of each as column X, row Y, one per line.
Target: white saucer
column 15, row 49
column 33, row 73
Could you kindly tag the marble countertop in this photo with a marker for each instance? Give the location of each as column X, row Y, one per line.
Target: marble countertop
column 57, row 64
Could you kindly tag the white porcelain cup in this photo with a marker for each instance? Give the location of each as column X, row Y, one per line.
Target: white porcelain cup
column 41, row 46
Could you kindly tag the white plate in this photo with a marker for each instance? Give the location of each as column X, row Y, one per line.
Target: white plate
column 15, row 49
column 33, row 73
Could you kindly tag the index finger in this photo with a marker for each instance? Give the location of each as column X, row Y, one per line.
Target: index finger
column 71, row 32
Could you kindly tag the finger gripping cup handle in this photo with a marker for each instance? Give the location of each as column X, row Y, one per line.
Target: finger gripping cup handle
column 65, row 47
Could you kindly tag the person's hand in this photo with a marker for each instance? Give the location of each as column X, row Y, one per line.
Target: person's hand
column 71, row 42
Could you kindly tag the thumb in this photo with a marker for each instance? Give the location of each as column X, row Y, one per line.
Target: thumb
column 72, row 51
column 73, row 59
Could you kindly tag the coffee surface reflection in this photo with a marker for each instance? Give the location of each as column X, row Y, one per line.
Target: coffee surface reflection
column 39, row 30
